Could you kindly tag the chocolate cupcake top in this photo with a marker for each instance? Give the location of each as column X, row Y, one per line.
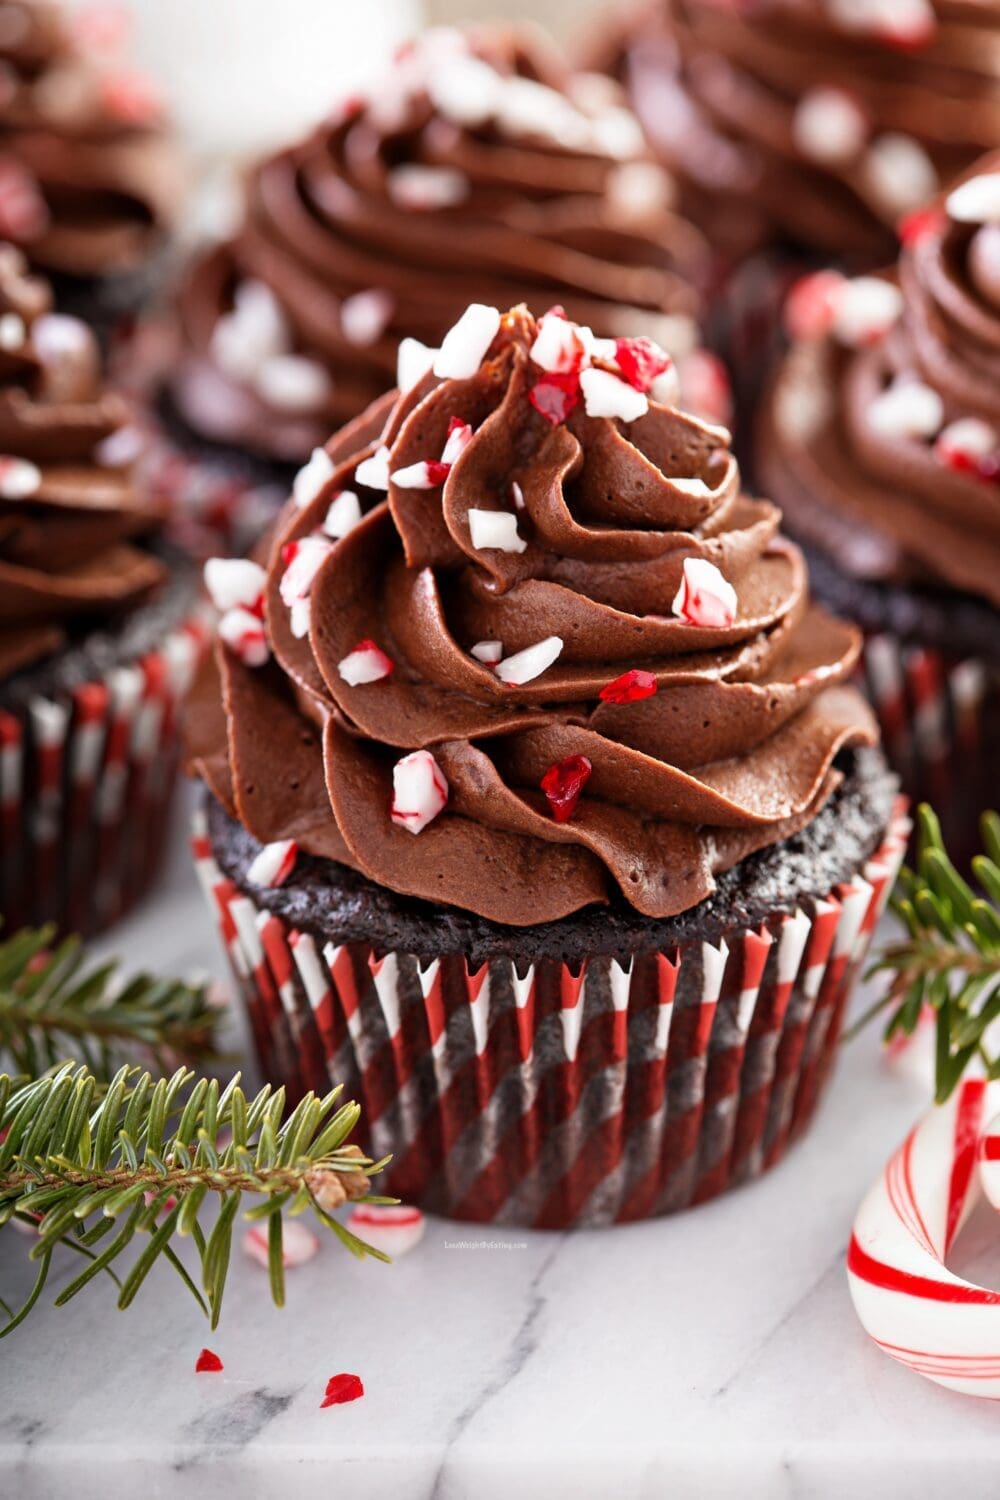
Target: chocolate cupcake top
column 71, row 512
column 816, row 122
column 882, row 435
column 521, row 643
column 88, row 181
column 478, row 167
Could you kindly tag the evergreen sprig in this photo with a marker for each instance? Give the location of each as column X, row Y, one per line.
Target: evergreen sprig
column 949, row 960
column 93, row 1171
column 54, row 1004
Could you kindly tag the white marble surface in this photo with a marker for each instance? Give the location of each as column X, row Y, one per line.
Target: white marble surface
column 713, row 1354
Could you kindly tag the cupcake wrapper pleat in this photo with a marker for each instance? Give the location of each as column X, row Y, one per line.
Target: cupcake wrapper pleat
column 553, row 1098
column 86, row 780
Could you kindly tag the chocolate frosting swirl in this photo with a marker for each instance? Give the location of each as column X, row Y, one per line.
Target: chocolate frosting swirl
column 736, row 98
column 477, row 169
column 71, row 512
column 734, row 750
column 886, row 455
column 88, row 180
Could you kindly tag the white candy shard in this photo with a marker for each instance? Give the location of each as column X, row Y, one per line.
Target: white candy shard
column 459, row 437
column 232, row 581
column 639, row 189
column 605, row 395
column 244, row 634
column 305, row 558
column 12, row 334
column 524, row 666
column 705, row 597
column 865, row 309
column 416, row 187
column 299, row 618
column 495, row 530
column 311, row 478
column 365, row 316
column 343, row 515
column 413, row 361
column 254, row 331
column 696, row 488
column 465, row 344
column 907, row 409
column 976, row 201
column 968, row 438
column 488, row 652
column 559, row 345
column 298, row 1243
column 366, row 663
column 293, row 382
column 900, row 174
column 18, row 478
column 829, row 126
column 465, row 90
column 420, row 791
column 373, row 472
column 419, row 476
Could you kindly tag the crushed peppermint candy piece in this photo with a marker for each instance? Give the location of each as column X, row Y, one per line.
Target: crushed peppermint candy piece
column 915, row 226
column 705, row 597
column 366, row 663
column 311, row 478
column 303, row 560
column 426, row 475
column 19, row 479
column 811, row 304
column 293, row 382
column 420, row 791
column 12, row 332
column 208, row 1363
column 560, row 347
column 270, row 868
column 233, row 581
column 898, row 23
column 563, row 783
column 414, row 360
column 488, row 652
column 373, row 472
column 865, row 310
column 298, row 1242
column 696, row 488
column 244, row 634
column 605, row 395
column 393, row 1228
column 637, row 190
column 517, row 495
column 341, row 1389
column 300, row 618
column 899, row 173
column 524, row 666
column 829, row 126
column 132, row 98
column 465, row 90
column 465, row 345
column 24, row 213
column 630, row 687
column 641, row 361
column 963, row 444
column 417, row 187
column 495, row 530
column 343, row 515
column 976, row 201
column 459, row 437
column 365, row 316
column 907, row 409
column 555, row 396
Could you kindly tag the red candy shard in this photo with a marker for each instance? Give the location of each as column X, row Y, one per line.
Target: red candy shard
column 563, row 783
column 208, row 1363
column 342, row 1388
column 629, row 687
column 640, row 361
column 437, row 471
column 923, row 221
column 810, row 304
column 555, row 396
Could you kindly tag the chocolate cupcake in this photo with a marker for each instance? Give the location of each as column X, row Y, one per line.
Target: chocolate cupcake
column 97, row 643
column 803, row 131
column 88, row 179
column 477, row 168
column 539, row 807
column 881, row 441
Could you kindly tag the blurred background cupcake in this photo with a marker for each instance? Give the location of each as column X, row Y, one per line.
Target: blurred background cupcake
column 98, row 639
column 541, row 809
column 805, row 130
column 881, row 441
column 477, row 166
column 90, row 182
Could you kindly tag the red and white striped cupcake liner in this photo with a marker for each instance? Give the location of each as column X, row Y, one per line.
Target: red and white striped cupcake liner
column 940, row 722
column 86, row 778
column 552, row 1098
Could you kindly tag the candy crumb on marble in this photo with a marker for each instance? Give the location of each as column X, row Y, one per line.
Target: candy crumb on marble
column 342, row 1388
column 208, row 1363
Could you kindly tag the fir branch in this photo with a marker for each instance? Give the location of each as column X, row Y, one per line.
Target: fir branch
column 949, row 960
column 147, row 1157
column 53, row 1004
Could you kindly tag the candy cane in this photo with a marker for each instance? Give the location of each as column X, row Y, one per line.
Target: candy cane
column 914, row 1308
